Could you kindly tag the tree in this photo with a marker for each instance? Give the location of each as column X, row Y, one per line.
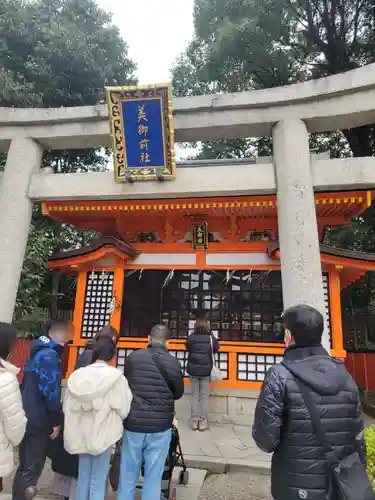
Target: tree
column 254, row 44
column 57, row 53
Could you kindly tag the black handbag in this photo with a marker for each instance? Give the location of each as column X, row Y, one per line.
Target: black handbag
column 114, row 470
column 348, row 476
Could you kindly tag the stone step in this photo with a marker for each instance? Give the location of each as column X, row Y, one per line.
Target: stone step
column 226, row 406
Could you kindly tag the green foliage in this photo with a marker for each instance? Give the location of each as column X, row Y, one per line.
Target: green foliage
column 255, row 44
column 56, row 53
column 33, row 277
column 370, row 452
column 59, row 53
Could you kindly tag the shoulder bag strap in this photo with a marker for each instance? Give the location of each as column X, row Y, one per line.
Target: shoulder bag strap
column 212, row 350
column 315, row 418
column 162, row 371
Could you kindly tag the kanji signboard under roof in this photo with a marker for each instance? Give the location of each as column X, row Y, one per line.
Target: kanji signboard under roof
column 142, row 132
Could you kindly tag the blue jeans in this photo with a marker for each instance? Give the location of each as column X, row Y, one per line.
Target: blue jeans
column 92, row 476
column 136, row 448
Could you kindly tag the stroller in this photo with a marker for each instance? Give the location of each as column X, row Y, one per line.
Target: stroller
column 175, row 457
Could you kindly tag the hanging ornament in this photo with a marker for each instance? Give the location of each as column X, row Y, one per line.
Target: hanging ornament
column 265, row 276
column 103, row 275
column 229, row 275
column 248, row 278
column 112, row 305
column 140, row 274
column 168, row 278
column 92, row 276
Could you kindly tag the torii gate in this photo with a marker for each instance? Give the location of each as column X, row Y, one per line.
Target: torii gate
column 287, row 113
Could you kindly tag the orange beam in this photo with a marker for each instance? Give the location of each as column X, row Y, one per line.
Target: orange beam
column 345, row 262
column 118, row 288
column 341, row 261
column 335, row 304
column 73, row 353
column 232, row 368
column 90, row 256
column 184, row 267
column 201, row 258
column 79, row 305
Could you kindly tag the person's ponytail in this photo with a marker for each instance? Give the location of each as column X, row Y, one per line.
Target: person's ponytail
column 104, row 349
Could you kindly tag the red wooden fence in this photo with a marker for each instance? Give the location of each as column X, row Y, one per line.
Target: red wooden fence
column 362, row 368
column 22, row 349
column 19, row 355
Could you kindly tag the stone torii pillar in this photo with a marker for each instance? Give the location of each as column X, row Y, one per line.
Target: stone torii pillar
column 24, row 157
column 301, row 267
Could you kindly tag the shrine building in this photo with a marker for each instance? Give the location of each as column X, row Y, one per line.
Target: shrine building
column 161, row 261
column 240, row 239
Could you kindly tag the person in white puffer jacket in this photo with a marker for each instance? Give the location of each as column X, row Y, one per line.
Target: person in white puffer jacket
column 97, row 401
column 12, row 416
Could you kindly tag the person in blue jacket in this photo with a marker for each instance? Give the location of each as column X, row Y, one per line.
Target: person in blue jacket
column 41, row 397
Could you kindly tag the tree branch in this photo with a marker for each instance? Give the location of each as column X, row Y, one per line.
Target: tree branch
column 312, row 28
column 358, row 8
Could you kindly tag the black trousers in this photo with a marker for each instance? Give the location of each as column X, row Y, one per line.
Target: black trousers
column 32, row 454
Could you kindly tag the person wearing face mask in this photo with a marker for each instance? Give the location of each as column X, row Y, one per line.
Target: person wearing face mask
column 12, row 416
column 283, row 423
column 41, row 396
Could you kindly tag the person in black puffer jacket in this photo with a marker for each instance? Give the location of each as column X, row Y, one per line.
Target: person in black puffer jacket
column 282, row 422
column 156, row 381
column 199, row 346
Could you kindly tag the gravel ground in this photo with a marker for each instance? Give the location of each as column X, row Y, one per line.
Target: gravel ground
column 236, row 486
column 44, row 485
column 232, row 486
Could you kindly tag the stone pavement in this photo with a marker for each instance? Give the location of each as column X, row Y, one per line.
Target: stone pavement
column 224, row 448
column 221, row 448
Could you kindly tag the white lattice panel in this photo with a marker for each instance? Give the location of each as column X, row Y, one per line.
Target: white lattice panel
column 221, row 361
column 182, row 358
column 122, row 354
column 98, row 298
column 253, row 367
column 327, row 312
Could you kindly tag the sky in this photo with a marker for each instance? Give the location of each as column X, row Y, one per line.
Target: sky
column 157, row 31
